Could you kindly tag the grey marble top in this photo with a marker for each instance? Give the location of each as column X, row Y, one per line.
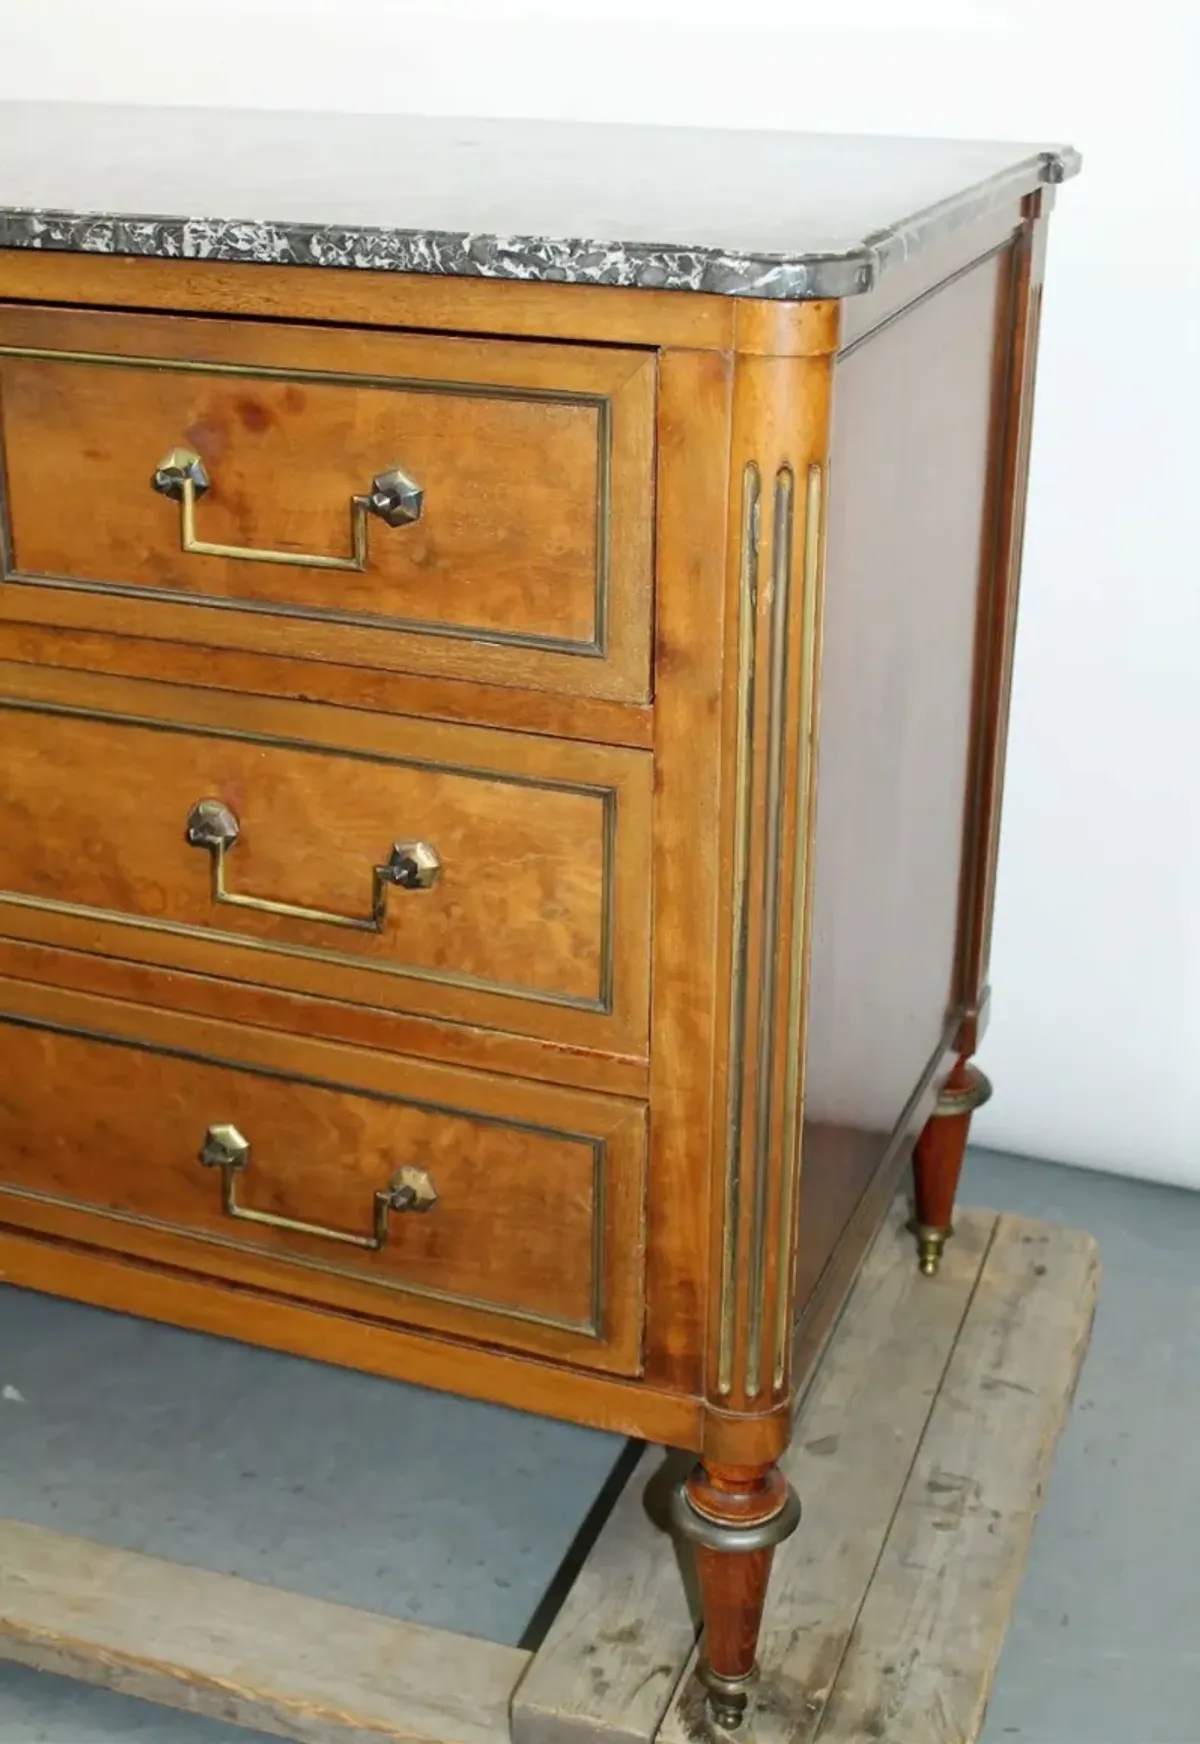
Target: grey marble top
column 778, row 215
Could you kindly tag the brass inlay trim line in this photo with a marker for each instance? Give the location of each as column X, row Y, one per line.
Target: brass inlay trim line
column 739, row 931
column 427, row 1293
column 602, row 1005
column 801, row 916
column 597, row 1146
column 773, row 850
column 595, row 648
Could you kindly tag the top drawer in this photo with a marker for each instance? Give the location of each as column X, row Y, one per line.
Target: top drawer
column 512, row 545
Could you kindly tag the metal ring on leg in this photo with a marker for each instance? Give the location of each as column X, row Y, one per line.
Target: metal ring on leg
column 728, row 1697
column 957, row 1099
column 701, row 1528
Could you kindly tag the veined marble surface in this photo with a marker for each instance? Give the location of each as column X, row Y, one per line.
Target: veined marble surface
column 774, row 215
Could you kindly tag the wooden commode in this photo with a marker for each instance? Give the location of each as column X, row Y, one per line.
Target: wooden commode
column 505, row 643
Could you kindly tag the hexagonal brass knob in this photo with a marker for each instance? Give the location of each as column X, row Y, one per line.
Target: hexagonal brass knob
column 413, row 866
column 412, row 1190
column 180, row 464
column 212, row 825
column 396, row 497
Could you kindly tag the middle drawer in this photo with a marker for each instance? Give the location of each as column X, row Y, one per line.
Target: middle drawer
column 479, row 876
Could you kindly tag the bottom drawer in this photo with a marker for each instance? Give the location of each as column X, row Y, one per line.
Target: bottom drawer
column 503, row 1212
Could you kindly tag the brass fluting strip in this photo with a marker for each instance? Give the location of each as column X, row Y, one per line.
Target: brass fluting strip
column 793, row 1096
column 773, row 846
column 743, row 779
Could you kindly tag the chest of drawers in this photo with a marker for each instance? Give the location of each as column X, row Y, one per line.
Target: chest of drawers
column 502, row 740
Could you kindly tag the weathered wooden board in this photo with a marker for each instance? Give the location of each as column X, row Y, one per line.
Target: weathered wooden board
column 249, row 1655
column 921, row 1452
column 920, row 1455
column 922, row 1658
column 614, row 1653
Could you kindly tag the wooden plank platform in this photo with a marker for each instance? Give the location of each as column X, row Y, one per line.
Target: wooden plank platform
column 250, row 1655
column 921, row 1452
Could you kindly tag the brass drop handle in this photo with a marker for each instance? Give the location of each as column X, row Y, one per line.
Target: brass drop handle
column 409, row 1189
column 394, row 497
column 409, row 866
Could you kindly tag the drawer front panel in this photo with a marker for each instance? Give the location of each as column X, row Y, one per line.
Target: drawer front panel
column 455, row 872
column 430, row 1200
column 451, row 506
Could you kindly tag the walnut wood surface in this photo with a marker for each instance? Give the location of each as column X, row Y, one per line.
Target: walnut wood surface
column 397, row 1032
column 605, row 315
column 535, row 527
column 591, row 719
column 534, row 1241
column 879, row 701
column 688, row 884
column 538, row 921
column 909, row 550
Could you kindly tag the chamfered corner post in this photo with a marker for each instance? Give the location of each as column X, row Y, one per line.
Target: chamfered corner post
column 737, row 1506
column 938, row 1160
column 733, row 1516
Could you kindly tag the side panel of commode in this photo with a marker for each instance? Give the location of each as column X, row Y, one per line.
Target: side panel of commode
column 918, row 431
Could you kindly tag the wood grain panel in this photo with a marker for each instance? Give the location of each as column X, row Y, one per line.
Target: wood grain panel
column 394, row 1032
column 590, row 719
column 601, row 314
column 542, row 874
column 533, row 1240
column 693, row 436
column 531, row 558
column 909, row 544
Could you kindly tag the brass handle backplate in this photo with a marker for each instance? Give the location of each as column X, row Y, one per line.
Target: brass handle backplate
column 409, row 1189
column 394, row 496
column 409, row 866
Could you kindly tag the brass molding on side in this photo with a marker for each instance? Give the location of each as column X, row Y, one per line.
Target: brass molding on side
column 808, row 689
column 743, row 785
column 175, row 469
column 772, row 870
column 756, row 1131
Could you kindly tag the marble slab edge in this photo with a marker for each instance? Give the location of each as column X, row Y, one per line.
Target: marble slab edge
column 533, row 259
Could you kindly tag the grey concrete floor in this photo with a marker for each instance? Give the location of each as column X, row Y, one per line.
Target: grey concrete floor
column 459, row 1515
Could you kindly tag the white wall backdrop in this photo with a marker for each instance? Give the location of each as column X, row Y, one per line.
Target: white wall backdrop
column 1095, row 1040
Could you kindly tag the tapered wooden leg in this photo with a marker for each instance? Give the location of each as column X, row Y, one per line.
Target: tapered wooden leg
column 734, row 1517
column 938, row 1160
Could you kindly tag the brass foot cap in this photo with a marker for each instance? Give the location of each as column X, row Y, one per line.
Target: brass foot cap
column 728, row 1697
column 931, row 1244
